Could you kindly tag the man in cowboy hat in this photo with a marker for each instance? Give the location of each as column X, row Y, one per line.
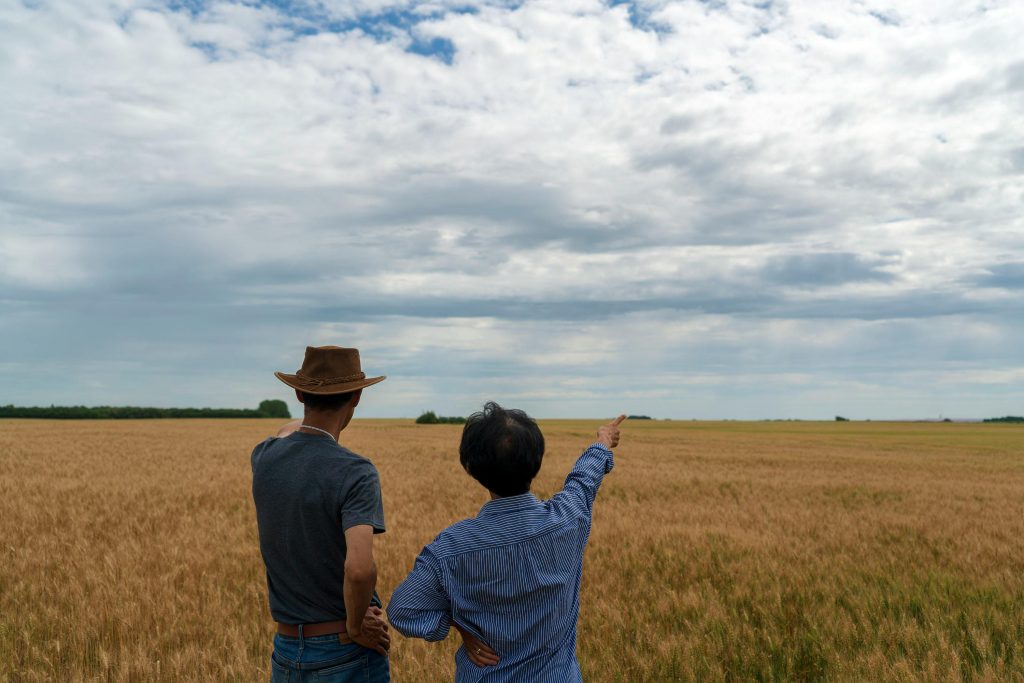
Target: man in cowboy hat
column 318, row 506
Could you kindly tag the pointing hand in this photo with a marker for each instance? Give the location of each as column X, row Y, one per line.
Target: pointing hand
column 609, row 434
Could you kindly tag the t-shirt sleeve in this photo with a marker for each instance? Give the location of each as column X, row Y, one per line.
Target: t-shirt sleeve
column 361, row 503
column 258, row 450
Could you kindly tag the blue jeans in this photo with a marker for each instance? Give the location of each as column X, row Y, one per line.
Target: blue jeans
column 323, row 659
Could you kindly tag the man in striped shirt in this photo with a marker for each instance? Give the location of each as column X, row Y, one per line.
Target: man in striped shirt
column 509, row 578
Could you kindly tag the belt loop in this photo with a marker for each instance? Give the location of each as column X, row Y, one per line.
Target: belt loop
column 300, row 637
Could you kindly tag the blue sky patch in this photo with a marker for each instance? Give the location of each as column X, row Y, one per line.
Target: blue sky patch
column 640, row 17
column 381, row 26
column 438, row 48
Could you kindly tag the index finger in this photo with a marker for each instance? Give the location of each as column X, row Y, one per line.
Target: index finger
column 617, row 421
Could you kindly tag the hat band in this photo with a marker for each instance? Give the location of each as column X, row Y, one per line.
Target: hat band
column 312, row 382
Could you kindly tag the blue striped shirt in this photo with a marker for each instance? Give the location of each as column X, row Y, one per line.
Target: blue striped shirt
column 511, row 577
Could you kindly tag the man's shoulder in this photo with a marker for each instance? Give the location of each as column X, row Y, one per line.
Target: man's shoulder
column 483, row 534
column 339, row 466
column 352, row 464
column 348, row 455
column 261, row 447
column 462, row 537
column 325, row 454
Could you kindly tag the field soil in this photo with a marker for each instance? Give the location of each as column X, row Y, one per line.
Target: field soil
column 730, row 551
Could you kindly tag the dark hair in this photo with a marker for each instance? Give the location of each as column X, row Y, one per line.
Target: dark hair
column 501, row 449
column 326, row 403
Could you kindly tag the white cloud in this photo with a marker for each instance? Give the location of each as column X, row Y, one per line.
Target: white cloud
column 788, row 179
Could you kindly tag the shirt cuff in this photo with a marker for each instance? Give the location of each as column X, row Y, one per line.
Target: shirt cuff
column 609, row 462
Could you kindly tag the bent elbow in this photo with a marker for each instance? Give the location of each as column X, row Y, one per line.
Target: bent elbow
column 400, row 620
column 360, row 572
column 413, row 623
column 403, row 621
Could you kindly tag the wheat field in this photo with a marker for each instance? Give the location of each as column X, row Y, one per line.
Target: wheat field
column 720, row 551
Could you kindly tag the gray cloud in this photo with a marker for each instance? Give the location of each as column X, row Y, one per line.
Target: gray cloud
column 677, row 124
column 1016, row 158
column 815, row 270
column 888, row 17
column 1015, row 76
column 725, row 198
column 1004, row 276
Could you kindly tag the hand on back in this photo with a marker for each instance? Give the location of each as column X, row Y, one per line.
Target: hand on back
column 609, row 434
column 476, row 649
column 374, row 634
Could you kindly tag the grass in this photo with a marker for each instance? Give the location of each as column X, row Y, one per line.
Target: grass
column 720, row 551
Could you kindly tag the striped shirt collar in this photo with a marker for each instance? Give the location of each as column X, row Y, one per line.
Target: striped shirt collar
column 500, row 506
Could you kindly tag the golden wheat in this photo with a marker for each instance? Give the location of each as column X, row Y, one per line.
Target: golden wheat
column 720, row 551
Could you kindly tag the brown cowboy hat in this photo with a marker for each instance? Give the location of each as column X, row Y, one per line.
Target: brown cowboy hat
column 329, row 370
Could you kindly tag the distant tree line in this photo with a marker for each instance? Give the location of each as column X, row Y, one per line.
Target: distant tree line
column 268, row 408
column 1008, row 418
column 432, row 418
column 639, row 417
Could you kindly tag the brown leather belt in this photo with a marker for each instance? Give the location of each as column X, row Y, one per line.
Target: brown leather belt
column 324, row 628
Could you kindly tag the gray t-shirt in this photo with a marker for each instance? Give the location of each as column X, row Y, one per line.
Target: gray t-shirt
column 307, row 491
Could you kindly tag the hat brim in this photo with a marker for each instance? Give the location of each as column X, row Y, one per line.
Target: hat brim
column 295, row 383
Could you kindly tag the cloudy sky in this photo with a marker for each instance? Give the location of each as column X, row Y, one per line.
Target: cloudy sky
column 686, row 209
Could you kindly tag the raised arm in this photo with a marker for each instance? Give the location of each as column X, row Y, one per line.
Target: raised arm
column 583, row 481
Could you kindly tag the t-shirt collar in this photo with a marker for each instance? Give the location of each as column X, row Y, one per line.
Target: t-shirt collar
column 315, row 439
column 500, row 506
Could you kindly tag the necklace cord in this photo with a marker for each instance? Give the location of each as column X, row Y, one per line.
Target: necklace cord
column 322, row 431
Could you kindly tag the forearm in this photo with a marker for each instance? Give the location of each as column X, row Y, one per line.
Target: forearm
column 588, row 472
column 596, row 461
column 358, row 590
